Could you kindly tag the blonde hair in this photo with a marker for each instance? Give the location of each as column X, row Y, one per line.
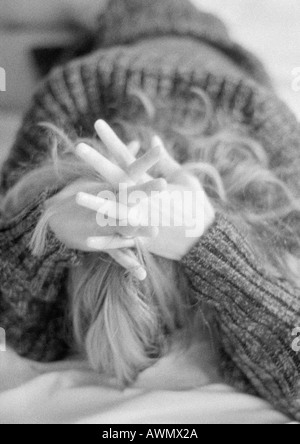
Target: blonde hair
column 122, row 324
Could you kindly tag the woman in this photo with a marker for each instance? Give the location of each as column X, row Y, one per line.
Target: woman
column 161, row 67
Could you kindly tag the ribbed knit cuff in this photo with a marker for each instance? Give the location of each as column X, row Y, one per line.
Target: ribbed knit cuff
column 224, row 270
column 255, row 312
column 220, row 262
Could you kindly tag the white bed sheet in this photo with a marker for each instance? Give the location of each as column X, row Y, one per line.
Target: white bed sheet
column 171, row 392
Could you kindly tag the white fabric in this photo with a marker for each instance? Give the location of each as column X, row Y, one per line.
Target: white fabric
column 183, row 388
column 269, row 28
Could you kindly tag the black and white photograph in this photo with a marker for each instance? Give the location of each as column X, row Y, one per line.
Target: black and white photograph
column 149, row 214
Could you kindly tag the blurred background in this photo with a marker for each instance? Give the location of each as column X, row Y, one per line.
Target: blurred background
column 270, row 28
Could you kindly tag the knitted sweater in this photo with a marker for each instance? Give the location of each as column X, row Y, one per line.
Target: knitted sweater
column 165, row 48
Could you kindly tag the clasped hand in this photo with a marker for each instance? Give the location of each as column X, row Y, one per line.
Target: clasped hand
column 97, row 219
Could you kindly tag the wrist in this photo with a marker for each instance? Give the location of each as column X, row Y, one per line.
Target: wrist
column 193, row 237
column 210, row 216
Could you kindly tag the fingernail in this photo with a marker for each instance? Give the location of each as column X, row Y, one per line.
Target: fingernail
column 83, row 199
column 140, row 274
column 157, row 142
column 134, row 146
column 82, row 148
column 134, row 217
column 91, row 243
column 101, row 125
column 80, row 198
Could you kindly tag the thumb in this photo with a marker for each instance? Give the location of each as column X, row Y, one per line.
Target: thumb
column 166, row 166
column 171, row 170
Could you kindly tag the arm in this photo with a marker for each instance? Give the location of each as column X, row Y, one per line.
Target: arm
column 32, row 291
column 255, row 315
column 57, row 101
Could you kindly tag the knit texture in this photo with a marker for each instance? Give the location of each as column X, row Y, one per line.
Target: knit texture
column 132, row 20
column 164, row 48
column 256, row 315
column 33, row 297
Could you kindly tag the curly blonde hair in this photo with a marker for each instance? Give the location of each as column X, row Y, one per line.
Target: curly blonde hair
column 124, row 325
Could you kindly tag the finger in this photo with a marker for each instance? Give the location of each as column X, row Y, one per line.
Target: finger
column 167, row 165
column 141, row 231
column 185, row 179
column 109, row 243
column 130, row 263
column 171, row 169
column 137, row 170
column 134, row 147
column 114, row 211
column 130, row 218
column 78, row 186
column 113, row 174
column 108, row 208
column 115, row 146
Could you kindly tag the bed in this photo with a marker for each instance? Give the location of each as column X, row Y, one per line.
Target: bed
column 173, row 391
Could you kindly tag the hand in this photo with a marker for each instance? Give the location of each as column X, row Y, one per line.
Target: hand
column 174, row 239
column 74, row 225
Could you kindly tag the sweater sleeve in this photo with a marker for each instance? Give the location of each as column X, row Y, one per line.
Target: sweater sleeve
column 70, row 99
column 33, row 296
column 255, row 315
